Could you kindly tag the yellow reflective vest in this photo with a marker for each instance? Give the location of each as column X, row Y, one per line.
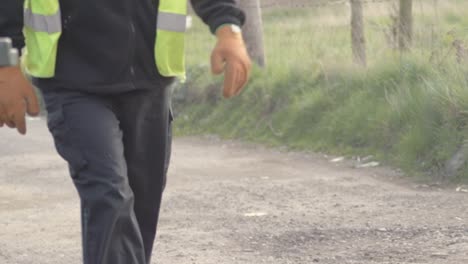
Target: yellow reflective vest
column 43, row 28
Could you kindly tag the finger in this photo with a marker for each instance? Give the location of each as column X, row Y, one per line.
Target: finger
column 2, row 115
column 243, row 78
column 240, row 85
column 217, row 62
column 230, row 79
column 20, row 120
column 10, row 123
column 32, row 103
column 249, row 70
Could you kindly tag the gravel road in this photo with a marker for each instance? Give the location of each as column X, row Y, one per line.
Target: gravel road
column 229, row 202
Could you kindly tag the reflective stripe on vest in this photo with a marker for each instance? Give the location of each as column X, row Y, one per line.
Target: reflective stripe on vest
column 42, row 31
column 43, row 23
column 172, row 22
column 170, row 40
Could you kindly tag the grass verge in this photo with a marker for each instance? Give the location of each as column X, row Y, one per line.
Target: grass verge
column 409, row 111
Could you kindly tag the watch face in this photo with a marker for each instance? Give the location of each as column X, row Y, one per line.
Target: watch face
column 236, row 29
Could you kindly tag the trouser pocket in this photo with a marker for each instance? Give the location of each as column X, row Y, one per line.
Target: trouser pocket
column 167, row 158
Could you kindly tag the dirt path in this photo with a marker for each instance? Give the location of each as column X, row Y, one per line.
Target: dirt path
column 230, row 203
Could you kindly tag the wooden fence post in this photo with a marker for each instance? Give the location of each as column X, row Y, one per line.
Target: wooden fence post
column 357, row 33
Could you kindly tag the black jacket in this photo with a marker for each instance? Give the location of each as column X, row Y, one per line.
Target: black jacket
column 108, row 45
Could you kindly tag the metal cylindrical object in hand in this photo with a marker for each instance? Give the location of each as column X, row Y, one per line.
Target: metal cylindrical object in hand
column 9, row 56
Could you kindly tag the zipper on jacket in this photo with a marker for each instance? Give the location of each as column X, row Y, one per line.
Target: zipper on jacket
column 132, row 45
column 132, row 57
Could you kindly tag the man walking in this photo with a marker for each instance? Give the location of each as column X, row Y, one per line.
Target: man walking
column 104, row 68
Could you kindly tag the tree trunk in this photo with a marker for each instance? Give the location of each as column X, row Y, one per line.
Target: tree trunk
column 357, row 33
column 253, row 30
column 406, row 24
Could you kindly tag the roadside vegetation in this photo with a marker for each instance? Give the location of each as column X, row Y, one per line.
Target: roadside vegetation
column 409, row 110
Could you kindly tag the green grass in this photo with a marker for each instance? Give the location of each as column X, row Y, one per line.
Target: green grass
column 410, row 110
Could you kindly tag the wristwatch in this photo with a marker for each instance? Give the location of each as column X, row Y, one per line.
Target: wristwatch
column 234, row 28
column 8, row 54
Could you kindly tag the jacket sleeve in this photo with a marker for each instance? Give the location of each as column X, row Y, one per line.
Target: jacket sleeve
column 11, row 21
column 218, row 12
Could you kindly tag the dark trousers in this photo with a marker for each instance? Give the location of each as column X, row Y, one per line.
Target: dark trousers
column 118, row 150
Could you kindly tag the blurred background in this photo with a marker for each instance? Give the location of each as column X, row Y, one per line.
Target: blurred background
column 352, row 77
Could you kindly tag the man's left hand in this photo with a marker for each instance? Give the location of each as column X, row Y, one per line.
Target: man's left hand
column 230, row 56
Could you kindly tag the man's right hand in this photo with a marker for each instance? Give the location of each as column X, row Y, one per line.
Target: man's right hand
column 17, row 98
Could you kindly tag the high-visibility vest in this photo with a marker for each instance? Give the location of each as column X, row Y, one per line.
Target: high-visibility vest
column 43, row 28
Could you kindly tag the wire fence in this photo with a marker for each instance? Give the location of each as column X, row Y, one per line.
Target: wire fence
column 265, row 4
column 439, row 27
column 321, row 32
